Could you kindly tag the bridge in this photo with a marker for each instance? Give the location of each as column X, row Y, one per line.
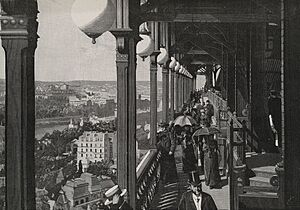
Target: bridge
column 243, row 48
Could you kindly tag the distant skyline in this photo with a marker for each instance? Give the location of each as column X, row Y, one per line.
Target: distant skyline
column 64, row 53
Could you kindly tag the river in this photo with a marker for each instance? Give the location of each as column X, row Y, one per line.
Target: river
column 40, row 130
column 44, row 126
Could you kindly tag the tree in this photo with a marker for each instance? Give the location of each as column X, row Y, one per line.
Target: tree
column 99, row 168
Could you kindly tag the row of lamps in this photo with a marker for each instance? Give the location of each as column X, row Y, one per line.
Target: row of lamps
column 94, row 17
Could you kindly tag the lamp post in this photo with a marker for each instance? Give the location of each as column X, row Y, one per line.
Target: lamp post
column 145, row 48
column 181, row 86
column 94, row 17
column 172, row 68
column 177, row 86
column 162, row 59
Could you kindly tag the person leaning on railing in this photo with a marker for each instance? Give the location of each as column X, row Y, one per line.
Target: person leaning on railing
column 274, row 106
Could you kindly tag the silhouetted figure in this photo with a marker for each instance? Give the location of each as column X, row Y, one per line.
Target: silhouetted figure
column 209, row 111
column 211, row 163
column 189, row 160
column 167, row 145
column 274, row 106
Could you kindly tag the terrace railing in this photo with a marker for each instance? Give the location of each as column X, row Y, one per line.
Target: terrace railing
column 148, row 174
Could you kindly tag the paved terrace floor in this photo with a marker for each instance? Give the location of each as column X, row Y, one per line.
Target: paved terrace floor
column 168, row 196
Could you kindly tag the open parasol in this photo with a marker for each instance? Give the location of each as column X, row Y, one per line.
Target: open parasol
column 206, row 131
column 184, row 120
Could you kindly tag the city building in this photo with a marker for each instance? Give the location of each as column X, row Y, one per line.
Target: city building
column 94, row 146
column 76, row 191
column 85, row 190
column 74, row 101
column 94, row 185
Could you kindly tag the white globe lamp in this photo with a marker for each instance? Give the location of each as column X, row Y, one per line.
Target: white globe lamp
column 172, row 63
column 177, row 67
column 145, row 47
column 93, row 17
column 163, row 57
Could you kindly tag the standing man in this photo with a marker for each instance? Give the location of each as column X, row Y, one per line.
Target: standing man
column 195, row 198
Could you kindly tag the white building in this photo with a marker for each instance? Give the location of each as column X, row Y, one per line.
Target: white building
column 93, row 146
column 74, row 101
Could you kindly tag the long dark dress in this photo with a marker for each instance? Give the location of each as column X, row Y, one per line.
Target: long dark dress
column 211, row 163
column 188, row 157
column 167, row 144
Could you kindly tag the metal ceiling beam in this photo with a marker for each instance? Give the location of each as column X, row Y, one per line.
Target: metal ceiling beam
column 197, row 52
column 226, row 18
column 213, row 35
column 210, row 18
column 202, row 47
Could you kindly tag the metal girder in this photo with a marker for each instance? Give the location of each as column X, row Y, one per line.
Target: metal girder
column 212, row 11
column 198, row 29
column 213, row 35
column 209, row 50
column 197, row 52
column 202, row 59
column 272, row 6
column 226, row 18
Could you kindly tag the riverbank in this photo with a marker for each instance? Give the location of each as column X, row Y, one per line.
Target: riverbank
column 43, row 126
column 57, row 120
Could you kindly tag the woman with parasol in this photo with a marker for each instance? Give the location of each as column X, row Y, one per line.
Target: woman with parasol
column 209, row 154
column 184, row 124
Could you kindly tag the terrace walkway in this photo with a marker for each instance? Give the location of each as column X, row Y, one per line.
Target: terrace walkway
column 168, row 196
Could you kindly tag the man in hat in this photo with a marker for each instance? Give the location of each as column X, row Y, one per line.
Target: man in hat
column 115, row 199
column 195, row 198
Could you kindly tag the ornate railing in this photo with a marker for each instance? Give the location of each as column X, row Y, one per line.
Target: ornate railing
column 148, row 174
column 216, row 100
column 239, row 139
column 237, row 158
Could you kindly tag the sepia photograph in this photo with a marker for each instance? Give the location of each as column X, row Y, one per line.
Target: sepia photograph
column 150, row 105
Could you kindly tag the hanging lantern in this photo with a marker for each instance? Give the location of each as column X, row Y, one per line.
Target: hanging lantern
column 93, row 17
column 177, row 67
column 163, row 57
column 172, row 63
column 145, row 47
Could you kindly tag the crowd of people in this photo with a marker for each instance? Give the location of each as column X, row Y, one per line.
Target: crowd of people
column 196, row 138
column 199, row 150
column 192, row 132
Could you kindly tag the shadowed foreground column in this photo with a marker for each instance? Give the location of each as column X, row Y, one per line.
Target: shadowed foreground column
column 153, row 98
column 126, row 111
column 19, row 38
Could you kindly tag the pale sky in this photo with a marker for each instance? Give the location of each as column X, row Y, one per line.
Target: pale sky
column 65, row 53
